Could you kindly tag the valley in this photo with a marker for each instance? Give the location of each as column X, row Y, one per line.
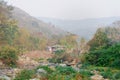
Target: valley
column 53, row 49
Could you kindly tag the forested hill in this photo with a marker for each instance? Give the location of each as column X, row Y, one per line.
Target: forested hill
column 36, row 26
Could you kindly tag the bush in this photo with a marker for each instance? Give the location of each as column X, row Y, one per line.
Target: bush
column 65, row 70
column 25, row 75
column 59, row 51
column 85, row 73
column 59, row 58
column 116, row 63
column 116, row 76
column 107, row 73
column 105, row 57
column 63, row 73
column 9, row 55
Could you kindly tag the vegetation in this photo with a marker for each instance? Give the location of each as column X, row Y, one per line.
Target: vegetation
column 99, row 40
column 9, row 55
column 101, row 53
column 106, row 56
column 25, row 75
column 64, row 73
column 69, row 41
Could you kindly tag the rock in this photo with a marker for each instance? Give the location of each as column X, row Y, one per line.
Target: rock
column 76, row 69
column 1, row 63
column 52, row 68
column 95, row 72
column 4, row 77
column 63, row 65
column 41, row 71
column 79, row 65
column 34, row 79
column 97, row 77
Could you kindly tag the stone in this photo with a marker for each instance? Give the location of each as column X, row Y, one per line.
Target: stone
column 4, row 77
column 63, row 65
column 41, row 71
column 34, row 79
column 1, row 63
column 97, row 77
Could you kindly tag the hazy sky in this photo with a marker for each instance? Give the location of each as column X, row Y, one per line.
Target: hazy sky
column 69, row 9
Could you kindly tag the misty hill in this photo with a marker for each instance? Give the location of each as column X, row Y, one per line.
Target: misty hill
column 84, row 28
column 36, row 26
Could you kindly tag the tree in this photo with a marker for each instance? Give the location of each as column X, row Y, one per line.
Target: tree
column 8, row 26
column 99, row 40
column 70, row 41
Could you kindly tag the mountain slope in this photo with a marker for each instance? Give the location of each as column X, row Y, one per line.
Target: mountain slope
column 36, row 26
column 84, row 28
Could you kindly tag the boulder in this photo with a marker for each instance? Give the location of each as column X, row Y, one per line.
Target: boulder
column 4, row 77
column 34, row 79
column 63, row 65
column 97, row 77
column 41, row 71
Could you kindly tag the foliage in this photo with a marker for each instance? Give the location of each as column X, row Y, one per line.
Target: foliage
column 58, row 58
column 85, row 71
column 106, row 72
column 59, row 51
column 105, row 57
column 69, row 41
column 8, row 26
column 99, row 40
column 116, row 76
column 9, row 32
column 9, row 55
column 65, row 70
column 63, row 73
column 25, row 75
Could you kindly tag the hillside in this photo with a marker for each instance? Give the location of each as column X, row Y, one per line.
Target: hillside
column 113, row 31
column 85, row 28
column 36, row 26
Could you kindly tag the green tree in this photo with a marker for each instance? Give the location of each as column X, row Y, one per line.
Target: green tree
column 70, row 41
column 99, row 40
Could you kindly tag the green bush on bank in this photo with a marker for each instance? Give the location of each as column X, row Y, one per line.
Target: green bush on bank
column 9, row 55
column 25, row 75
column 109, row 57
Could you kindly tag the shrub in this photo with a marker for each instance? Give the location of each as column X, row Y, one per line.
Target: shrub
column 85, row 73
column 106, row 57
column 59, row 51
column 116, row 63
column 58, row 58
column 25, row 75
column 65, row 70
column 107, row 73
column 116, row 76
column 9, row 55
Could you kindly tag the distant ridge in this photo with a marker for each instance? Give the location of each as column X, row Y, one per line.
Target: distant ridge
column 84, row 28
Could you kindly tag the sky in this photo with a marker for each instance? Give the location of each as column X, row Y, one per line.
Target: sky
column 69, row 9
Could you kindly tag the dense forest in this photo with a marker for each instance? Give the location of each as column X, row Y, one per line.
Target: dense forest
column 74, row 59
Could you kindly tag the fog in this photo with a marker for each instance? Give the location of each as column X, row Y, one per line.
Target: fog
column 69, row 9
